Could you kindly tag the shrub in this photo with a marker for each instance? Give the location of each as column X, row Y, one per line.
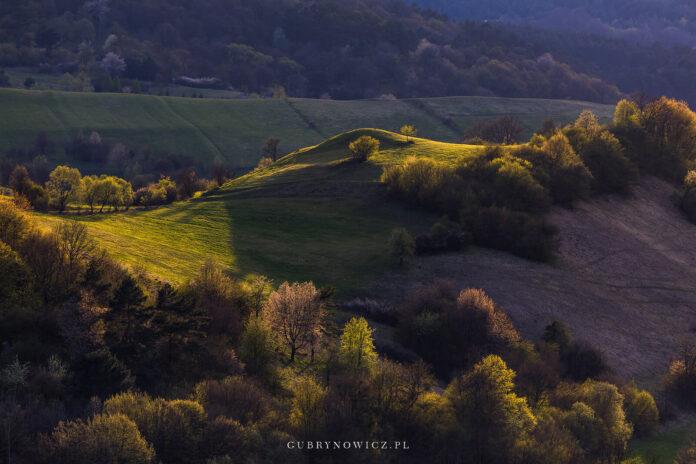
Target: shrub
column 14, row 225
column 174, row 428
column 495, row 420
column 519, row 233
column 257, row 346
column 363, row 148
column 264, row 163
column 236, row 397
column 444, row 236
column 505, row 130
column 15, row 292
column 100, row 373
column 307, row 414
column 402, row 247
column 453, row 330
column 557, row 167
column 409, row 131
column 423, row 182
column 680, row 381
column 596, row 418
column 583, row 362
column 641, row 410
column 220, row 298
column 670, row 128
column 106, row 438
column 605, row 157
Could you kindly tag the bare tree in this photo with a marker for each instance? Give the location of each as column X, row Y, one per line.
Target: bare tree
column 295, row 312
column 505, row 130
column 270, row 148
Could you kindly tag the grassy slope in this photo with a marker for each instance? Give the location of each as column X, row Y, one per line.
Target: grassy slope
column 313, row 216
column 236, row 129
column 663, row 446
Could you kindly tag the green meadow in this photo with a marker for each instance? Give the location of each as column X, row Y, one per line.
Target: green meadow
column 235, row 130
column 314, row 215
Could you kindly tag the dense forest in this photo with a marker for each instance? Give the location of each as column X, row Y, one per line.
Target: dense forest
column 338, row 49
column 344, row 50
column 105, row 364
column 667, row 21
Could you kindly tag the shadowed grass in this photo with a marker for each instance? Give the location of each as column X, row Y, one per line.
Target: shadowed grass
column 236, row 129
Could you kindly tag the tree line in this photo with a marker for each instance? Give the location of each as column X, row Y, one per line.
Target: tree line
column 337, row 49
column 499, row 199
column 67, row 188
column 102, row 364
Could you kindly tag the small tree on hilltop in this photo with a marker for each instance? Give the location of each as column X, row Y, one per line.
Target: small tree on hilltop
column 409, row 131
column 363, row 148
column 295, row 312
column 402, row 246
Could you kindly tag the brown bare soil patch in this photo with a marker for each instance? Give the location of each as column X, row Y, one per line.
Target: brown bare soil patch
column 625, row 280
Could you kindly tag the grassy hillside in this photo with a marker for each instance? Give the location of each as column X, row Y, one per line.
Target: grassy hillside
column 311, row 216
column 236, row 129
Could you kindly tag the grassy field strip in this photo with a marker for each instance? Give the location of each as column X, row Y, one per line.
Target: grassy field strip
column 205, row 128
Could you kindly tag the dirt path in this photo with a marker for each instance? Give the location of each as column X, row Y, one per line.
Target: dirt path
column 625, row 280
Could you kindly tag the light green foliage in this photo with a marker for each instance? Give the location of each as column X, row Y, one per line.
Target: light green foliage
column 106, row 439
column 106, row 191
column 495, row 422
column 626, row 114
column 307, row 413
column 173, row 427
column 63, row 186
column 14, row 224
column 409, row 131
column 597, row 418
column 357, row 348
column 364, row 148
column 257, row 346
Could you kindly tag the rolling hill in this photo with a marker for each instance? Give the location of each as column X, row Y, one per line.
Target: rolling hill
column 623, row 279
column 236, row 129
column 311, row 216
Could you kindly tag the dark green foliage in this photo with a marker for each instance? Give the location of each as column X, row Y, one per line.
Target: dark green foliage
column 18, row 302
column 179, row 324
column 579, row 360
column 500, row 179
column 127, row 309
column 516, row 232
column 558, row 168
column 604, row 156
column 100, row 373
column 495, row 196
column 346, row 49
column 453, row 330
column 444, row 236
